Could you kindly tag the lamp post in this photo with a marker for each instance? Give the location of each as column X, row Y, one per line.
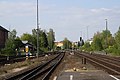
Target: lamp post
column 106, row 33
column 37, row 31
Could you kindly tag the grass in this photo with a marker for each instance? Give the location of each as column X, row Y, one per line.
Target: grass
column 6, row 68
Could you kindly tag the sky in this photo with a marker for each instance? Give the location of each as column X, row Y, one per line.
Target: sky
column 68, row 18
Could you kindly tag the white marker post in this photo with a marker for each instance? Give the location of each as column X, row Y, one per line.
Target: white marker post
column 55, row 78
column 71, row 77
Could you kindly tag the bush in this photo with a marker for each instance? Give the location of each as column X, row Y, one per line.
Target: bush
column 87, row 47
column 113, row 50
column 43, row 49
column 8, row 52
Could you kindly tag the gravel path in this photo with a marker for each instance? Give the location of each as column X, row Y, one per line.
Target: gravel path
column 71, row 63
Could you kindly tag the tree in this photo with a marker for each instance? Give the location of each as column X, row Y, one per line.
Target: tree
column 12, row 43
column 103, row 40
column 11, row 39
column 12, row 34
column 51, row 39
column 34, row 37
column 107, row 39
column 97, row 42
column 67, row 44
column 17, row 43
column 117, row 39
column 43, row 40
column 87, row 46
column 26, row 37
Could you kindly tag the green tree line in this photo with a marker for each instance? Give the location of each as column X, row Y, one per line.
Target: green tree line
column 67, row 44
column 46, row 41
column 104, row 41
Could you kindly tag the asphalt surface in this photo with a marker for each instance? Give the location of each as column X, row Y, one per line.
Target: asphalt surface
column 86, row 75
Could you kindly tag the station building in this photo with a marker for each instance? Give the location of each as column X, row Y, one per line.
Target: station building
column 3, row 36
column 59, row 44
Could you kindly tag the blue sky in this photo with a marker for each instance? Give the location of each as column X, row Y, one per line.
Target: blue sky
column 82, row 3
column 68, row 18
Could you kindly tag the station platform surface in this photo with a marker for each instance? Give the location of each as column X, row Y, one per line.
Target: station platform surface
column 86, row 75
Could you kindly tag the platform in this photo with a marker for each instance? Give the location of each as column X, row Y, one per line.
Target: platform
column 86, row 75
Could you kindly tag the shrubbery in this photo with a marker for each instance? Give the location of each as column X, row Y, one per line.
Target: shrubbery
column 104, row 41
column 8, row 52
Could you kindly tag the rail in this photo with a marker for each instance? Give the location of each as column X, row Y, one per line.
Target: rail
column 42, row 71
column 107, row 63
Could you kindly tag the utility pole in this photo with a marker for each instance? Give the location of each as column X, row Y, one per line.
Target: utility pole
column 37, row 32
column 106, row 32
column 87, row 33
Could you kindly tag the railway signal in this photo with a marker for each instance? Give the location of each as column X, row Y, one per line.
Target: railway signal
column 81, row 42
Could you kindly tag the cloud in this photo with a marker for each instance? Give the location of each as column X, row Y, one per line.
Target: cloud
column 66, row 21
column 100, row 10
column 12, row 9
column 20, row 16
column 74, row 19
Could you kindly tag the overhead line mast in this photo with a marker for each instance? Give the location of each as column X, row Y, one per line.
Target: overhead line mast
column 37, row 32
column 106, row 33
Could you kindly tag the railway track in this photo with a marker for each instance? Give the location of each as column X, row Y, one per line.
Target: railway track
column 109, row 64
column 12, row 59
column 41, row 72
column 109, row 59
